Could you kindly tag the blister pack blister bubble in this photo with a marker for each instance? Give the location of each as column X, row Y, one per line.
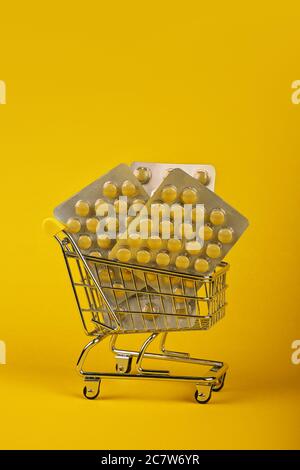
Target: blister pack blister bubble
column 83, row 212
column 195, row 253
column 151, row 175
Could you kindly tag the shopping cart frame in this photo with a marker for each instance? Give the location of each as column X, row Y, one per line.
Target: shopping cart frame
column 129, row 363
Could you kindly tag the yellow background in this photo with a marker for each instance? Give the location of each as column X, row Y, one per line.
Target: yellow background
column 94, row 84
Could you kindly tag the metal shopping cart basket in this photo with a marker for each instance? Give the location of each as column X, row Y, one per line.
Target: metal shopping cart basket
column 116, row 298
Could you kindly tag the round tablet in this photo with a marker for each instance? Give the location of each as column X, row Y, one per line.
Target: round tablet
column 117, row 286
column 120, row 206
column 128, row 189
column 189, row 284
column 202, row 176
column 207, row 232
column 176, row 212
column 154, row 243
column 178, row 291
column 111, row 224
column 213, row 250
column 189, row 196
column 225, row 235
column 126, row 274
column 166, row 229
column 143, row 256
column 110, row 190
column 182, row 262
column 96, row 254
column 198, row 214
column 106, row 275
column 169, row 194
column 103, row 241
column 123, row 255
column 101, row 208
column 136, row 206
column 151, row 277
column 186, row 231
column 163, row 259
column 217, row 216
column 143, row 174
column 82, row 208
column 145, row 227
column 73, row 225
column 159, row 209
column 193, row 248
column 174, row 244
column 84, row 242
column 91, row 224
column 201, row 265
column 134, row 240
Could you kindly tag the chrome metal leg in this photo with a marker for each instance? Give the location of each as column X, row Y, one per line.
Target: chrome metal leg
column 141, row 356
column 168, row 352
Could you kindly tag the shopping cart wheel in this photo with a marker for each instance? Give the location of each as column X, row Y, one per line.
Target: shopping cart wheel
column 92, row 390
column 220, row 384
column 203, row 395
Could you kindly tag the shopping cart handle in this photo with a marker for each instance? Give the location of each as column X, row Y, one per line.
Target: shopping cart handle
column 52, row 226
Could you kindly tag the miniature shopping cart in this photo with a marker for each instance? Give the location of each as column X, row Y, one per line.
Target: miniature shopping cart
column 116, row 298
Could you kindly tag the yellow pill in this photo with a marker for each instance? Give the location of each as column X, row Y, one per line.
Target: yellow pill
column 123, row 255
column 82, row 208
column 143, row 174
column 217, row 216
column 202, row 176
column 151, row 277
column 198, row 214
column 189, row 196
column 193, row 248
column 176, row 212
column 106, row 275
column 134, row 240
column 154, row 243
column 169, row 194
column 189, row 284
column 163, row 259
column 166, row 228
column 225, row 235
column 120, row 206
column 182, row 262
column 101, row 208
column 136, row 206
column 207, row 232
column 117, row 286
column 111, row 224
column 178, row 291
column 103, row 241
column 73, row 226
column 96, row 254
column 186, row 231
column 126, row 274
column 128, row 189
column 110, row 190
column 159, row 210
column 201, row 265
column 145, row 227
column 84, row 242
column 143, row 256
column 91, row 224
column 174, row 244
column 213, row 250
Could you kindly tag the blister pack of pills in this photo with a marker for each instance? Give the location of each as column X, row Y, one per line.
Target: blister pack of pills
column 151, row 175
column 193, row 228
column 91, row 216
